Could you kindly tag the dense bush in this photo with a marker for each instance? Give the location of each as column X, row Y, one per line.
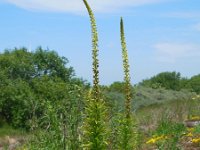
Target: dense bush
column 194, row 84
column 31, row 79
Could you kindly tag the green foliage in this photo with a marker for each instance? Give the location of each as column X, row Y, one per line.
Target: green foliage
column 38, row 92
column 173, row 81
column 6, row 130
column 128, row 134
column 29, row 80
column 169, row 128
column 49, row 63
column 19, row 63
column 16, row 97
column 51, row 138
column 168, row 80
column 60, row 121
column 197, row 129
column 194, row 84
column 95, row 133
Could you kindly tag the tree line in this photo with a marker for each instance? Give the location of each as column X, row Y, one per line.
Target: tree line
column 173, row 81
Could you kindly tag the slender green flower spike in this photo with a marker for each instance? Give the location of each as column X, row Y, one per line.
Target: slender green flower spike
column 126, row 71
column 128, row 131
column 94, row 52
column 94, row 127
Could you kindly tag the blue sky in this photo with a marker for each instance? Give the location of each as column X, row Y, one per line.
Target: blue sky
column 161, row 35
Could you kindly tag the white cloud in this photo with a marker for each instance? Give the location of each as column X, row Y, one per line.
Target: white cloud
column 172, row 52
column 76, row 6
column 184, row 15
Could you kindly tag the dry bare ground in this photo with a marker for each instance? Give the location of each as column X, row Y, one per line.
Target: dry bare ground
column 11, row 143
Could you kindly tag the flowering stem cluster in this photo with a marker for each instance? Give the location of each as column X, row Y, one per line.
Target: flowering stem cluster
column 95, row 129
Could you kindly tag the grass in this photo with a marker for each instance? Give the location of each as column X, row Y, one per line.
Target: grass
column 177, row 110
column 7, row 130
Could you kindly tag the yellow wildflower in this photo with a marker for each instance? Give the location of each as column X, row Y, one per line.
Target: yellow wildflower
column 197, row 140
column 195, row 118
column 151, row 141
column 189, row 134
column 155, row 139
column 190, row 129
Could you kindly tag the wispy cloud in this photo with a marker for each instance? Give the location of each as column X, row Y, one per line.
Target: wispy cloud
column 76, row 6
column 172, row 52
column 184, row 15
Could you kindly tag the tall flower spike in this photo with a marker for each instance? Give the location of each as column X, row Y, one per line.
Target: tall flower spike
column 95, row 63
column 128, row 139
column 126, row 71
column 94, row 128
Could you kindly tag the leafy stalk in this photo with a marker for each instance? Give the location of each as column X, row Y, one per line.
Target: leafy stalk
column 126, row 71
column 94, row 125
column 95, row 50
column 128, row 133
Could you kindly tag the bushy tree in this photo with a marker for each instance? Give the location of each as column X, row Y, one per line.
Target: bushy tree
column 168, row 80
column 194, row 84
column 173, row 81
column 20, row 63
column 29, row 80
column 51, row 64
